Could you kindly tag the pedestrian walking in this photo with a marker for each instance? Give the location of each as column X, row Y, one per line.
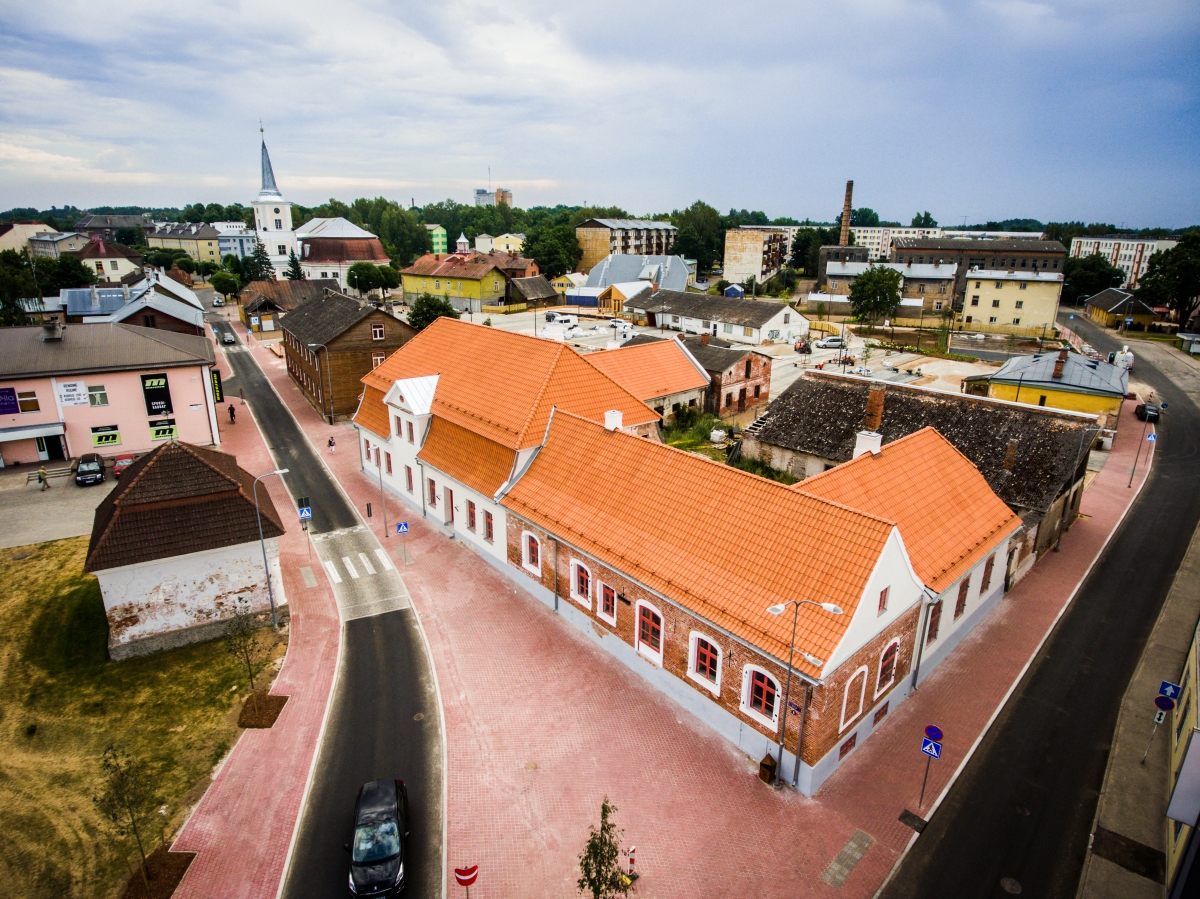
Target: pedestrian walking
column 44, row 478
column 332, row 444
column 232, row 415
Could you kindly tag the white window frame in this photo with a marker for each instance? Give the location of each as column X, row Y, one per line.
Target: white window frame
column 862, row 697
column 710, row 686
column 378, row 328
column 585, row 601
column 97, row 392
column 747, row 673
column 525, row 553
column 600, row 585
column 879, row 664
column 643, row 650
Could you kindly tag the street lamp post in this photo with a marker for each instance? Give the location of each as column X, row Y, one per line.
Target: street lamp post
column 812, row 660
column 329, row 375
column 263, row 543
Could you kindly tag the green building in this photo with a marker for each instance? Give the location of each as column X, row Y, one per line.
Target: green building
column 438, row 235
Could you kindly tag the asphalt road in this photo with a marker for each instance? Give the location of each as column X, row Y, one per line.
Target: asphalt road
column 383, row 717
column 1023, row 806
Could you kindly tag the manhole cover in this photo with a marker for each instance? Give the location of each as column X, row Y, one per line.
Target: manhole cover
column 419, row 716
column 1009, row 885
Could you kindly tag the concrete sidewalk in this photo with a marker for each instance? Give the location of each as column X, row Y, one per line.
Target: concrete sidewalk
column 528, row 766
column 1127, row 853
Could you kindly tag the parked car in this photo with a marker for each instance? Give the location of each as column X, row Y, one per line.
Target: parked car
column 90, row 470
column 1147, row 412
column 218, row 300
column 381, row 825
column 830, row 343
column 122, row 462
column 227, row 338
column 619, row 323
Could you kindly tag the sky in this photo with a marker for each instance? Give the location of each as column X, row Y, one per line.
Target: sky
column 1065, row 110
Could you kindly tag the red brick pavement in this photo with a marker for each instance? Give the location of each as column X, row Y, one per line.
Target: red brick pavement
column 542, row 724
column 243, row 826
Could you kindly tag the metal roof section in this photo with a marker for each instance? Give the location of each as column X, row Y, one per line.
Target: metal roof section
column 332, row 227
column 269, row 189
column 185, row 312
column 668, row 272
column 104, row 346
column 924, row 270
column 413, row 395
column 1079, row 373
column 989, row 274
column 628, row 225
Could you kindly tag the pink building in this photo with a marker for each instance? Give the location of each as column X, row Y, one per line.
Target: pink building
column 103, row 388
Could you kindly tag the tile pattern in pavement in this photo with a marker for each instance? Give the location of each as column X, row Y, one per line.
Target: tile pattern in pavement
column 542, row 724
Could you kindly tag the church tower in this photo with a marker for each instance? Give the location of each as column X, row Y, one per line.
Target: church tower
column 273, row 218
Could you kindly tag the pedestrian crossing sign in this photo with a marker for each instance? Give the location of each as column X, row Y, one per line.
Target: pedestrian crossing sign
column 401, row 527
column 931, row 748
column 305, row 513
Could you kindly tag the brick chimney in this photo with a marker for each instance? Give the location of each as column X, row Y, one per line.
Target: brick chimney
column 1010, row 455
column 845, row 237
column 704, row 339
column 1059, row 363
column 874, row 418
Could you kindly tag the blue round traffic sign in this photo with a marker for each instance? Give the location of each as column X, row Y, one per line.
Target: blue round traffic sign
column 1166, row 703
column 934, row 733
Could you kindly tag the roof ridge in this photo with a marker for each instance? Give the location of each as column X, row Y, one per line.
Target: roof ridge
column 152, row 334
column 537, row 402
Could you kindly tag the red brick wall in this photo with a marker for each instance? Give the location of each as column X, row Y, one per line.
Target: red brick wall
column 760, row 376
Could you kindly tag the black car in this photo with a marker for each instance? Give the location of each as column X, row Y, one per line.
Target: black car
column 90, row 470
column 1147, row 412
column 380, row 831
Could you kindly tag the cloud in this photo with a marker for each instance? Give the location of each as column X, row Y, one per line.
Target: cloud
column 1073, row 108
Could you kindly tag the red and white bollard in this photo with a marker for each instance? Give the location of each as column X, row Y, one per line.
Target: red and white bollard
column 632, row 859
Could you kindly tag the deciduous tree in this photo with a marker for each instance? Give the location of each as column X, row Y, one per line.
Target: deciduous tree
column 427, row 308
column 1086, row 276
column 600, row 861
column 363, row 277
column 126, row 799
column 225, row 284
column 244, row 641
column 1172, row 279
column 875, row 294
column 923, row 220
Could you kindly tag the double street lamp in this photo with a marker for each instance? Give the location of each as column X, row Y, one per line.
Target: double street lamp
column 812, row 660
column 263, row 543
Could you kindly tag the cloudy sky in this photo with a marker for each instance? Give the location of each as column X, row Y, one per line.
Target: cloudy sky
column 1079, row 109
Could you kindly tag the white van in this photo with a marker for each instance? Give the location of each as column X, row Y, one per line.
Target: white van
column 564, row 319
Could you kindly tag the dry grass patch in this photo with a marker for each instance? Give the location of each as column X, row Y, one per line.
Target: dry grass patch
column 62, row 701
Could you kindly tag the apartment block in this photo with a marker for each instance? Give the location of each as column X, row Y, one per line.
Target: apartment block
column 599, row 238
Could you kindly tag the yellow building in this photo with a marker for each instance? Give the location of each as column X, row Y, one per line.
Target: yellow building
column 201, row 242
column 1113, row 308
column 466, row 284
column 563, row 283
column 1060, row 379
column 1017, row 302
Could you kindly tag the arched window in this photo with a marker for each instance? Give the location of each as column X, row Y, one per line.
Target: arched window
column 852, row 699
column 649, row 632
column 704, row 662
column 581, row 584
column 531, row 553
column 760, row 695
column 887, row 667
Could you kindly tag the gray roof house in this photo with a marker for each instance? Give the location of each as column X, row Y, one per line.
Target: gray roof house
column 668, row 272
column 730, row 318
column 1078, row 373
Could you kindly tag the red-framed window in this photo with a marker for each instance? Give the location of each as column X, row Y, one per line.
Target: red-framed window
column 409, row 427
column 987, row 573
column 650, row 629
column 450, row 503
column 399, row 425
column 387, row 458
column 487, row 526
column 707, row 658
column 583, row 582
column 762, row 694
column 432, row 493
column 935, row 621
column 960, row 605
column 887, row 667
column 880, row 714
column 533, row 551
column 408, row 478
column 883, row 599
column 471, row 515
column 608, row 601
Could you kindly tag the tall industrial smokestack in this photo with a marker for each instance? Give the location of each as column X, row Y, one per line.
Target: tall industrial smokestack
column 845, row 239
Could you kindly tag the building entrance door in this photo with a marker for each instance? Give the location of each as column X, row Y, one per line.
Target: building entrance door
column 54, row 448
column 450, row 505
column 742, row 400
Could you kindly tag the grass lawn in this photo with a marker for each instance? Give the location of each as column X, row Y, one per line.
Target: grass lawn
column 62, row 702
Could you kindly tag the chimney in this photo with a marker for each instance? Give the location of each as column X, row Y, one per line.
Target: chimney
column 1059, row 363
column 95, row 297
column 52, row 329
column 845, row 238
column 874, row 418
column 613, row 419
column 1010, row 455
column 867, row 442
column 704, row 339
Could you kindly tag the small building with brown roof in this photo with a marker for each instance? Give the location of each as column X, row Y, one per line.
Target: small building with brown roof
column 468, row 281
column 269, row 301
column 331, row 342
column 175, row 546
column 111, row 261
column 662, row 374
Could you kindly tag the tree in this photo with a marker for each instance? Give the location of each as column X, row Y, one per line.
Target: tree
column 294, row 272
column 63, row 273
column 701, row 234
column 243, row 641
column 225, row 284
column 186, row 264
column 16, row 284
column 553, row 246
column 363, row 277
column 258, row 266
column 125, row 798
column 875, row 294
column 389, row 278
column 863, row 217
column 923, row 220
column 1086, row 276
column 131, row 237
column 426, row 308
column 599, row 863
column 207, row 267
column 1172, row 279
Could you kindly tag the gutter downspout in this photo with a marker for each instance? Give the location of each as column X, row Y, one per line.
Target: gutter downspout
column 921, row 645
column 556, row 575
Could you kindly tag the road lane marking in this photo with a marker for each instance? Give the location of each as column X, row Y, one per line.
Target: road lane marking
column 370, row 569
column 383, row 560
column 350, row 567
column 332, row 571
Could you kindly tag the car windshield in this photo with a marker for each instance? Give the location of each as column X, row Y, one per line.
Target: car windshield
column 89, row 466
column 375, row 842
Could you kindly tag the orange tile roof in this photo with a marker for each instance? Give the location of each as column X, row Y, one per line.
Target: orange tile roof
column 651, row 370
column 470, row 459
column 372, row 414
column 452, row 266
column 498, row 384
column 719, row 541
column 949, row 517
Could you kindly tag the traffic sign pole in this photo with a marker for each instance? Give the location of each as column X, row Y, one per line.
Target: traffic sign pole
column 928, row 760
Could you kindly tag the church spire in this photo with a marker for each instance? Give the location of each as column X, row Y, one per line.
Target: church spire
column 269, row 188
